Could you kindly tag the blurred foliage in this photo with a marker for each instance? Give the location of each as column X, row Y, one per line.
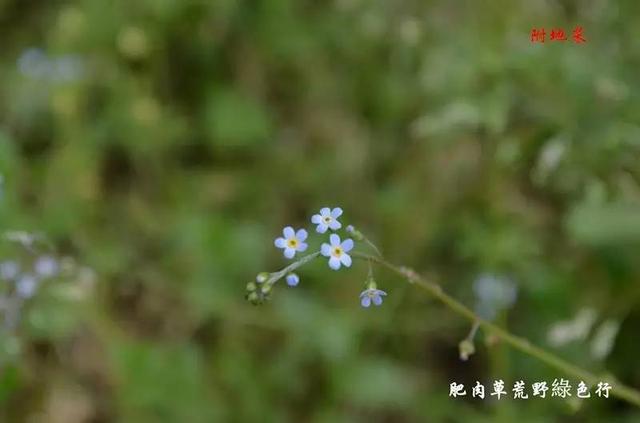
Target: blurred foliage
column 165, row 143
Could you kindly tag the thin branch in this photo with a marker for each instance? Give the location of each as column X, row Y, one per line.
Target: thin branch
column 276, row 276
column 372, row 245
column 620, row 390
column 474, row 329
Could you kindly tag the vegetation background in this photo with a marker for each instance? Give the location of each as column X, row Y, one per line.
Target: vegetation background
column 165, row 143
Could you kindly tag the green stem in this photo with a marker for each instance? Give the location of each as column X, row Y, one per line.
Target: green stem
column 620, row 390
column 276, row 276
column 372, row 245
column 474, row 329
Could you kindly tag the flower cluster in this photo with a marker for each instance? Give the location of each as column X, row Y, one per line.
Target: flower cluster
column 27, row 280
column 36, row 64
column 337, row 251
column 21, row 280
column 29, row 268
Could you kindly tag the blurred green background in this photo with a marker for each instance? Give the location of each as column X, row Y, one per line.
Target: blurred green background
column 164, row 144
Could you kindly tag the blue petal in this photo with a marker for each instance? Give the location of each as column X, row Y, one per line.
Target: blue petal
column 334, row 263
column 336, row 213
column 288, row 232
column 325, row 211
column 347, row 245
column 322, row 228
column 289, row 252
column 346, row 260
column 280, row 243
column 377, row 300
column 335, row 225
column 325, row 250
column 365, row 302
column 316, row 218
column 302, row 246
column 301, row 235
column 334, row 240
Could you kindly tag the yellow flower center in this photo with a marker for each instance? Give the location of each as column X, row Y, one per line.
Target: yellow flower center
column 327, row 219
column 292, row 242
column 337, row 251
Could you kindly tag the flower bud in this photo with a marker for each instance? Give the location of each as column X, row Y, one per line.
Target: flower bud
column 466, row 348
column 265, row 289
column 253, row 298
column 293, row 279
column 357, row 235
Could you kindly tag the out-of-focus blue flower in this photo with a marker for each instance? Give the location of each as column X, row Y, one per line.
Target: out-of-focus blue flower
column 370, row 295
column 34, row 63
column 292, row 241
column 66, row 69
column 327, row 219
column 46, row 266
column 26, row 286
column 9, row 270
column 337, row 252
column 493, row 293
column 293, row 279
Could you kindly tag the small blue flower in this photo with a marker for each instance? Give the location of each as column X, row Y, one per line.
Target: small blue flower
column 292, row 241
column 327, row 219
column 34, row 63
column 337, row 252
column 9, row 270
column 493, row 293
column 293, row 279
column 46, row 266
column 26, row 286
column 371, row 294
column 66, row 69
